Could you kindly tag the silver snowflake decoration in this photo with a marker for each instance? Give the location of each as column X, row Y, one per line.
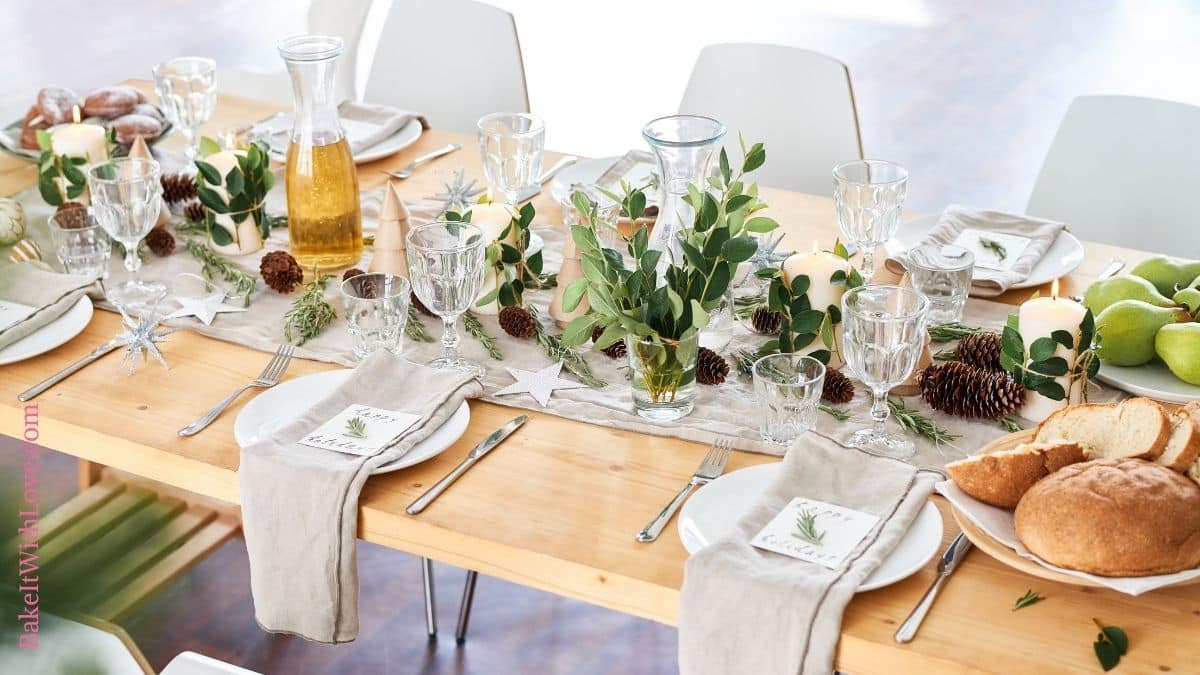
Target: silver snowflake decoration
column 139, row 335
column 458, row 194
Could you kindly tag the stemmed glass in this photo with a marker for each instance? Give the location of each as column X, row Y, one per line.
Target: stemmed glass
column 511, row 145
column 187, row 91
column 445, row 266
column 884, row 335
column 126, row 199
column 868, row 199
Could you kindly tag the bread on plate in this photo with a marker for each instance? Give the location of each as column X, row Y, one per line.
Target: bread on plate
column 1001, row 478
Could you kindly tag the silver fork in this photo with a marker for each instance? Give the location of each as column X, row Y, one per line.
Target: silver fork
column 407, row 171
column 269, row 377
column 710, row 467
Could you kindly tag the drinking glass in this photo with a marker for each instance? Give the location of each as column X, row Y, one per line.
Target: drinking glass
column 884, row 334
column 868, row 199
column 187, row 92
column 788, row 387
column 511, row 145
column 376, row 307
column 126, row 198
column 943, row 275
column 81, row 250
column 445, row 265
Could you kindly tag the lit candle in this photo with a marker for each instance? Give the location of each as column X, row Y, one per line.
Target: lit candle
column 819, row 266
column 80, row 140
column 1039, row 318
column 247, row 238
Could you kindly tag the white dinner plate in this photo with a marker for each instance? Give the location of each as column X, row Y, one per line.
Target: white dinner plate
column 583, row 171
column 53, row 334
column 1061, row 259
column 287, row 401
column 1153, row 380
column 398, row 141
column 715, row 508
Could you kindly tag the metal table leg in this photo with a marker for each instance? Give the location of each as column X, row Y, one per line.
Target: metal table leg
column 464, row 610
column 430, row 608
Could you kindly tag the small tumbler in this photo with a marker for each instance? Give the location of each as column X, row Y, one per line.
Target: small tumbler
column 788, row 387
column 376, row 310
column 942, row 274
column 82, row 246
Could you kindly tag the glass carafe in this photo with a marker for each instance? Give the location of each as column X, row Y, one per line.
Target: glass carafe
column 324, row 220
column 684, row 146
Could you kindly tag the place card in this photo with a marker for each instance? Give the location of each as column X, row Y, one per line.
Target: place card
column 12, row 313
column 360, row 430
column 815, row 531
column 997, row 251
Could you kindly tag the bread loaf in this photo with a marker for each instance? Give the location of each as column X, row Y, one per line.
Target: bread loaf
column 1113, row 517
column 1135, row 427
column 1183, row 445
column 1001, row 478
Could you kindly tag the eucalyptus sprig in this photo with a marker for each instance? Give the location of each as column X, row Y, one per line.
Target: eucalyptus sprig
column 948, row 332
column 802, row 323
column 806, row 529
column 836, row 413
column 1037, row 369
column 245, row 185
column 60, row 177
column 571, row 359
column 914, row 422
column 414, row 328
column 214, row 265
column 475, row 328
column 509, row 259
column 310, row 313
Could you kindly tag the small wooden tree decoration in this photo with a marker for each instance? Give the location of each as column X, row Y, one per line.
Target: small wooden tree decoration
column 390, row 248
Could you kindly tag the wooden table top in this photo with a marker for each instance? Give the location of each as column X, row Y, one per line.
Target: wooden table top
column 557, row 506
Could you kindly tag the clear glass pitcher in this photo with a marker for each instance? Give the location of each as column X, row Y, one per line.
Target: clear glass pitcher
column 324, row 220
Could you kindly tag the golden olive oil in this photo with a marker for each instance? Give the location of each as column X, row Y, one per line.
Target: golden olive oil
column 324, row 219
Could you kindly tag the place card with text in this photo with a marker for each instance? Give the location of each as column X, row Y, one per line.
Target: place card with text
column 997, row 251
column 12, row 313
column 816, row 532
column 360, row 430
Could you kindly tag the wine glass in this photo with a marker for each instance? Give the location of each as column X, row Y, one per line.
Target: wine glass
column 445, row 266
column 511, row 145
column 884, row 334
column 868, row 199
column 187, row 91
column 126, row 199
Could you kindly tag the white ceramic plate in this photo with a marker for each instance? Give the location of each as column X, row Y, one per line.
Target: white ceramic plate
column 715, row 508
column 583, row 171
column 1064, row 255
column 287, row 401
column 398, row 141
column 53, row 334
column 1153, row 380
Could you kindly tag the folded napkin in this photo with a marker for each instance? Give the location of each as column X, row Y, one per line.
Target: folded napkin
column 746, row 610
column 32, row 296
column 1025, row 240
column 300, row 504
column 367, row 124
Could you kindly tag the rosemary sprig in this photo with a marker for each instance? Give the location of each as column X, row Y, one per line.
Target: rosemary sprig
column 571, row 359
column 414, row 329
column 356, row 427
column 310, row 314
column 212, row 264
column 744, row 306
column 945, row 355
column 914, row 422
column 1031, row 597
column 995, row 247
column 475, row 328
column 945, row 332
column 806, row 529
column 836, row 413
column 1010, row 425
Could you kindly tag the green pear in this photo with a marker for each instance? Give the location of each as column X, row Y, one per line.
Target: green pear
column 1178, row 345
column 1105, row 292
column 1188, row 297
column 1125, row 331
column 1167, row 273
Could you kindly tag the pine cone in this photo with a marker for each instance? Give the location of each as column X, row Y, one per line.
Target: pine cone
column 416, row 302
column 967, row 391
column 281, row 271
column 614, row 351
column 981, row 350
column 160, row 241
column 765, row 321
column 72, row 215
column 194, row 211
column 518, row 322
column 352, row 272
column 837, row 387
column 711, row 368
column 178, row 187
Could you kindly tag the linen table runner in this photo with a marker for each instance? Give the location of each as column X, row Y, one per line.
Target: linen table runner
column 35, row 286
column 300, row 504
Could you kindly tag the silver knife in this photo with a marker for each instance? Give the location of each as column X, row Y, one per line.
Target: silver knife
column 70, row 370
column 1113, row 266
column 546, row 177
column 477, row 453
column 946, row 566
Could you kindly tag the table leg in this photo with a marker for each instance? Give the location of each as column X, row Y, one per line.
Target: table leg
column 430, row 610
column 89, row 474
column 464, row 610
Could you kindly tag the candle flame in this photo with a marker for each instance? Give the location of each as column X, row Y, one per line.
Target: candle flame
column 75, row 113
column 815, row 246
column 1054, row 289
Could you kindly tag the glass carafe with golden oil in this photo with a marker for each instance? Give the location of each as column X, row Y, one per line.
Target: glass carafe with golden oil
column 324, row 221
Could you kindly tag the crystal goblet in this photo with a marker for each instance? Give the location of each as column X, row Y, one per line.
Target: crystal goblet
column 868, row 200
column 511, row 145
column 445, row 266
column 126, row 199
column 187, row 92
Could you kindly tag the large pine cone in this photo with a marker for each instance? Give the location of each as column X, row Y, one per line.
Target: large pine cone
column 837, row 387
column 281, row 271
column 352, row 272
column 960, row 389
column 194, row 211
column 765, row 321
column 160, row 241
column 178, row 187
column 711, row 368
column 72, row 215
column 981, row 350
column 518, row 322
column 614, row 351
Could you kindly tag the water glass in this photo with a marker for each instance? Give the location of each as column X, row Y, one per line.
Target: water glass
column 376, row 308
column 942, row 273
column 788, row 387
column 883, row 336
column 187, row 92
column 511, row 145
column 445, row 266
column 82, row 250
column 126, row 199
column 868, row 200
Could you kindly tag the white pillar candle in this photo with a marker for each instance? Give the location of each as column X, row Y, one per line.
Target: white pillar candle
column 247, row 238
column 80, row 140
column 491, row 218
column 819, row 266
column 1039, row 318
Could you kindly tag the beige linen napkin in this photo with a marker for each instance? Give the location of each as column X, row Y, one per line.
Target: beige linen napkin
column 747, row 610
column 50, row 294
column 367, row 124
column 992, row 282
column 300, row 504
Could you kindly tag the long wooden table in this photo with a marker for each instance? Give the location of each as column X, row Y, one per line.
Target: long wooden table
column 556, row 508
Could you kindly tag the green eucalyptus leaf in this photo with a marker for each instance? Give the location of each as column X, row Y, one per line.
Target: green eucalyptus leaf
column 579, row 330
column 739, row 249
column 718, row 282
column 509, row 255
column 649, row 261
column 573, row 294
column 610, row 335
column 219, row 235
column 44, row 140
column 675, row 302
column 1051, row 390
column 1054, row 366
column 800, row 285
column 209, row 146
column 208, row 172
column 209, row 198
column 1012, row 344
column 1042, row 349
column 738, row 202
column 74, row 191
column 761, row 224
column 235, row 181
column 756, row 158
column 507, row 295
column 807, row 322
column 700, row 318
column 723, row 162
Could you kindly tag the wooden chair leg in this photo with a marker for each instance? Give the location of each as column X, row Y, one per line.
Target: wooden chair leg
column 464, row 609
column 89, row 474
column 430, row 608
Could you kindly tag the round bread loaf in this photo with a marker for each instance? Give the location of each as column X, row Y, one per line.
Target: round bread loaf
column 1113, row 518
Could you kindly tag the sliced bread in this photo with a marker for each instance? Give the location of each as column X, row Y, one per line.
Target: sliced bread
column 1136, row 427
column 1001, row 478
column 1183, row 445
column 1193, row 470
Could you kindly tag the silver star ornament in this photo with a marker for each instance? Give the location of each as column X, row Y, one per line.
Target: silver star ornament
column 141, row 335
column 539, row 384
column 204, row 308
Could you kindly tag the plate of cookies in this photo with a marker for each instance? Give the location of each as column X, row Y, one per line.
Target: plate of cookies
column 121, row 109
column 1097, row 495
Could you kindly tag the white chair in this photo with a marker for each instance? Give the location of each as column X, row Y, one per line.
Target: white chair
column 1123, row 170
column 452, row 60
column 798, row 102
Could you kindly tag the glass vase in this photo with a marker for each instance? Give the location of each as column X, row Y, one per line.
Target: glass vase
column 664, row 376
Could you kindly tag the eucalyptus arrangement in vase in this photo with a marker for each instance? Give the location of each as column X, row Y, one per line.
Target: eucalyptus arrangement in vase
column 233, row 185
